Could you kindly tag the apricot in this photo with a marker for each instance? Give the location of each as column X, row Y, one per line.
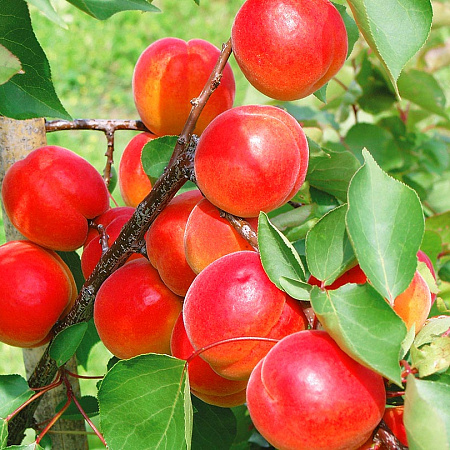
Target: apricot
column 208, row 236
column 50, row 194
column 234, row 298
column 134, row 184
column 165, row 242
column 204, row 382
column 393, row 418
column 169, row 74
column 134, row 311
column 112, row 221
column 36, row 289
column 263, row 161
column 309, row 394
column 414, row 304
column 353, row 275
column 287, row 49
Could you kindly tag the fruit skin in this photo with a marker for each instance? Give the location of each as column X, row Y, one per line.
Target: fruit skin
column 134, row 311
column 165, row 242
column 414, row 304
column 353, row 275
column 169, row 74
column 393, row 417
column 235, row 298
column 208, row 236
column 204, row 382
column 134, row 183
column 36, row 289
column 309, row 394
column 113, row 221
column 50, row 194
column 263, row 162
column 287, row 49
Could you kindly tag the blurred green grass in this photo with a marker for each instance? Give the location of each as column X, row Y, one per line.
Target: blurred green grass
column 92, row 64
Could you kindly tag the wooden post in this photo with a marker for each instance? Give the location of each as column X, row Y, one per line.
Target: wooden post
column 17, row 139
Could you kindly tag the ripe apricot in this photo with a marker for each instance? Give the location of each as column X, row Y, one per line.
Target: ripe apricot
column 169, row 74
column 204, row 382
column 208, row 236
column 258, row 166
column 36, row 289
column 165, row 242
column 287, row 49
column 134, row 311
column 234, row 298
column 50, row 194
column 134, row 184
column 308, row 394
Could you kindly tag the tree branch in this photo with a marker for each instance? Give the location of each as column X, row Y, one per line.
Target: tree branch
column 176, row 174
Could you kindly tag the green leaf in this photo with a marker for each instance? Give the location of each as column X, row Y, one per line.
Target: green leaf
column 87, row 402
column 292, row 218
column 9, row 65
column 378, row 141
column 364, row 326
column 3, row 433
column 14, row 391
column 432, row 358
column 156, row 155
column 47, row 9
column 65, row 344
column 396, row 40
column 73, row 261
column 385, row 223
column 328, row 249
column 32, row 446
column 101, row 9
column 145, row 404
column 214, row 427
column 30, row 94
column 331, row 172
column 423, row 89
column 440, row 223
column 295, row 288
column 427, row 414
column 432, row 329
column 278, row 256
column 90, row 338
column 350, row 26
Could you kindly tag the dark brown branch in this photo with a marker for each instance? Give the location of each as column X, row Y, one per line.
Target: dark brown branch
column 130, row 238
column 107, row 126
column 243, row 228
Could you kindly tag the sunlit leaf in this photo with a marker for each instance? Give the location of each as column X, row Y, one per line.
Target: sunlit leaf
column 385, row 223
column 47, row 9
column 396, row 40
column 143, row 404
column 427, row 414
column 9, row 65
column 432, row 358
column 364, row 326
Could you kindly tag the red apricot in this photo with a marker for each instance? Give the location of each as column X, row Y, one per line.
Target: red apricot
column 165, row 242
column 309, row 394
column 353, row 275
column 134, row 184
column 50, row 194
column 112, row 222
column 258, row 167
column 414, row 304
column 169, row 74
column 393, row 418
column 134, row 311
column 208, row 236
column 234, row 298
column 204, row 382
column 287, row 49
column 36, row 289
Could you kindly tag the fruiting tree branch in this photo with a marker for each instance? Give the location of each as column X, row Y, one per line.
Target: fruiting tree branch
column 107, row 126
column 176, row 174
